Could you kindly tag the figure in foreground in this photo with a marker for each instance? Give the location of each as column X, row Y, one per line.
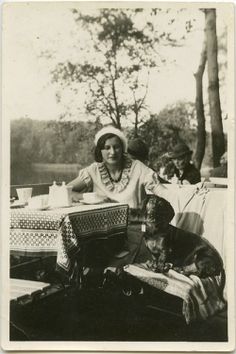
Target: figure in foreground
column 174, row 248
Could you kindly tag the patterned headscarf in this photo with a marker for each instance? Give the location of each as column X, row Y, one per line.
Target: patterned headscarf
column 158, row 212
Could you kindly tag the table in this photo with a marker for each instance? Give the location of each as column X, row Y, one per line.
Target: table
column 63, row 231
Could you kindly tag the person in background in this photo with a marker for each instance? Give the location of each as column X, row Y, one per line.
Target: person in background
column 167, row 168
column 184, row 170
column 139, row 150
column 221, row 171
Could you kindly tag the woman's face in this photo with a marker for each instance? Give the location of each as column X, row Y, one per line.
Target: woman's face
column 156, row 245
column 112, row 151
column 181, row 162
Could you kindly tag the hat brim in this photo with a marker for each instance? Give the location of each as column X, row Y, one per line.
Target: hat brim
column 114, row 131
column 181, row 154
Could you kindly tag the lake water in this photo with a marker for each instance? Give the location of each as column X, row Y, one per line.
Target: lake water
column 47, row 173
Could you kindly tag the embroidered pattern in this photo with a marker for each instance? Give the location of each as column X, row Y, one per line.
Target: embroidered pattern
column 119, row 186
column 39, row 232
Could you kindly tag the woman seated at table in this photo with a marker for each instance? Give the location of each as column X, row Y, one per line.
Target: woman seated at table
column 169, row 247
column 117, row 177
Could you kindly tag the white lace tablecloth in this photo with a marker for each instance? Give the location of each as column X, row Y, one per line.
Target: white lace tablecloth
column 62, row 231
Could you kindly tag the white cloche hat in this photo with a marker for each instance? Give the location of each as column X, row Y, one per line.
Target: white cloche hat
column 111, row 130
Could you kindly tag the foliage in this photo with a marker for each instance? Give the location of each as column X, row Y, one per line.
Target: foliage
column 122, row 48
column 56, row 142
column 162, row 131
column 24, row 143
column 72, row 142
column 117, row 53
column 49, row 142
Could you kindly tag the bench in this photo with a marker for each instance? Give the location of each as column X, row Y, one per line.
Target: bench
column 31, row 302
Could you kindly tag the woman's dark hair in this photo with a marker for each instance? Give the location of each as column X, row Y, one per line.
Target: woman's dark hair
column 101, row 143
column 138, row 149
column 157, row 211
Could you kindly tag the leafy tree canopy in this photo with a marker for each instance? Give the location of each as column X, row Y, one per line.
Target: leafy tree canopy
column 162, row 131
column 114, row 63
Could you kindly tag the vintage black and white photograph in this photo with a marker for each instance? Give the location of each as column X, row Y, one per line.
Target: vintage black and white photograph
column 118, row 176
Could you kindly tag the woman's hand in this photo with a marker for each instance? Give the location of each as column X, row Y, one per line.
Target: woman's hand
column 187, row 269
column 76, row 197
column 167, row 267
column 185, row 182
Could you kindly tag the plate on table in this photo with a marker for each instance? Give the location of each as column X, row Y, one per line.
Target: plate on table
column 98, row 201
column 38, row 208
column 17, row 204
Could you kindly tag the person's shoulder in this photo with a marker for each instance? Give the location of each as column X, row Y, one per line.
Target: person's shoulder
column 132, row 163
column 137, row 164
column 94, row 166
column 193, row 174
column 177, row 232
column 193, row 168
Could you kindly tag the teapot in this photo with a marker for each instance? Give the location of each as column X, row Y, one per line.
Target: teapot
column 60, row 196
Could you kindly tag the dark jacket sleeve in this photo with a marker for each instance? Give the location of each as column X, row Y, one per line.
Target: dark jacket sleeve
column 192, row 174
column 190, row 248
column 195, row 177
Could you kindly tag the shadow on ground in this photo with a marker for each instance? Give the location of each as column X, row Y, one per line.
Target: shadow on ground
column 98, row 315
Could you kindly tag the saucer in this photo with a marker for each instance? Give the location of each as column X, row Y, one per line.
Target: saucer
column 17, row 204
column 93, row 202
column 37, row 208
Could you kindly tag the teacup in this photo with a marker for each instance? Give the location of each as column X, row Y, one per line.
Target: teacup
column 92, row 197
column 24, row 194
column 39, row 202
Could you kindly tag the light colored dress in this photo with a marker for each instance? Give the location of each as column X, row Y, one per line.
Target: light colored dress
column 136, row 179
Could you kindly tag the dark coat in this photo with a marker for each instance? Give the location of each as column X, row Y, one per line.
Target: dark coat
column 191, row 174
column 182, row 248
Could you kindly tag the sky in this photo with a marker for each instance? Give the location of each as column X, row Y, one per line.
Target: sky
column 37, row 36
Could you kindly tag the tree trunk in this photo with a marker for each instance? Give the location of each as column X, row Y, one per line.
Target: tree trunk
column 218, row 147
column 135, row 130
column 136, row 123
column 201, row 129
column 116, row 108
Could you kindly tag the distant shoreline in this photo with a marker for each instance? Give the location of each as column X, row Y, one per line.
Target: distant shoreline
column 59, row 167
